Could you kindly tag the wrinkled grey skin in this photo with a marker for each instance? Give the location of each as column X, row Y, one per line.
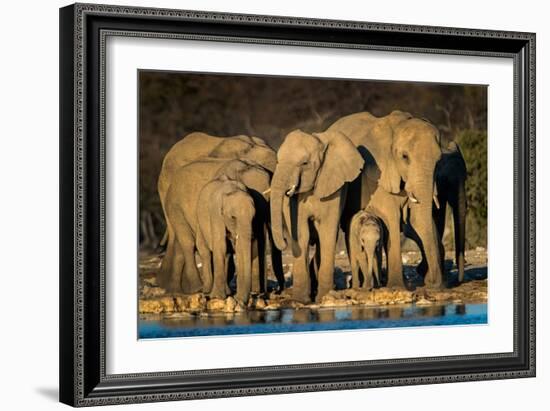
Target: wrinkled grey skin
column 201, row 145
column 366, row 243
column 308, row 190
column 404, row 151
column 226, row 213
column 450, row 178
column 178, row 270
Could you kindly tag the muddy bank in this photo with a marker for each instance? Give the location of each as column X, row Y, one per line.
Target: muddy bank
column 155, row 300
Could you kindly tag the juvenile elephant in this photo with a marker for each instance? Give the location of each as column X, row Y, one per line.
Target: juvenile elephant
column 308, row 189
column 201, row 145
column 225, row 213
column 404, row 151
column 450, row 179
column 366, row 243
column 182, row 203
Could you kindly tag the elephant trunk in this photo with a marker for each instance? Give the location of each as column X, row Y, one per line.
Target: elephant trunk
column 243, row 250
column 280, row 186
column 421, row 218
column 459, row 219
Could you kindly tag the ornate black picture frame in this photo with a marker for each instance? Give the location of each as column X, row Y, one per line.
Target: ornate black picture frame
column 83, row 30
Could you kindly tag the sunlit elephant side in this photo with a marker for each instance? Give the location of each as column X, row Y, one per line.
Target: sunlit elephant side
column 405, row 151
column 178, row 270
column 200, row 145
column 450, row 178
column 225, row 213
column 308, row 189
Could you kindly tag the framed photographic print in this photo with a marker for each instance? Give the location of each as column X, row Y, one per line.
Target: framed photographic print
column 260, row 204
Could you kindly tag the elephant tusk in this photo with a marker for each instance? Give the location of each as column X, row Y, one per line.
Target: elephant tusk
column 436, row 201
column 266, row 192
column 413, row 198
column 292, row 190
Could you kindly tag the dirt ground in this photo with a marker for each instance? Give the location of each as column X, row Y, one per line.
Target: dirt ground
column 155, row 300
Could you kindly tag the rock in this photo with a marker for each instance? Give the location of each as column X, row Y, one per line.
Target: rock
column 230, row 305
column 150, row 307
column 260, row 304
column 167, row 304
column 196, row 302
column 389, row 295
column 272, row 305
column 423, row 301
column 440, row 296
column 217, row 304
column 180, row 303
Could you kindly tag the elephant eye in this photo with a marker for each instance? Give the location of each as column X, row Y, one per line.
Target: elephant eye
column 405, row 157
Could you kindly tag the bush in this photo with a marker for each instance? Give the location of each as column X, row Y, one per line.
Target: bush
column 473, row 144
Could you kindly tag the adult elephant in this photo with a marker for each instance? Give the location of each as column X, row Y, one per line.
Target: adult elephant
column 450, row 180
column 309, row 189
column 201, row 145
column 178, row 270
column 405, row 151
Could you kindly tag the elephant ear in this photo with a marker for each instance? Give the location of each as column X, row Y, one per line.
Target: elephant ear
column 342, row 163
column 210, row 214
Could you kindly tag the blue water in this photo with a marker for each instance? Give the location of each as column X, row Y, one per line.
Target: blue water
column 323, row 319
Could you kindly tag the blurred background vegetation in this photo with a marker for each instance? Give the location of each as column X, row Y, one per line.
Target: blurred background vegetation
column 171, row 105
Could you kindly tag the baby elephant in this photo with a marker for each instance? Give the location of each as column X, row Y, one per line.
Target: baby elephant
column 366, row 241
column 225, row 212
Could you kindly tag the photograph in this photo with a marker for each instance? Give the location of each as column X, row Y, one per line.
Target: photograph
column 275, row 204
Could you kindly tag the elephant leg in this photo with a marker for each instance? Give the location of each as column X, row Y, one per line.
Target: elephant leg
column 206, row 259
column 423, row 223
column 314, row 264
column 422, row 267
column 277, row 265
column 395, row 263
column 354, row 250
column 378, row 265
column 355, row 284
column 459, row 219
column 171, row 267
column 191, row 281
column 328, row 232
column 439, row 217
column 219, row 286
column 301, row 286
column 257, row 276
column 366, row 269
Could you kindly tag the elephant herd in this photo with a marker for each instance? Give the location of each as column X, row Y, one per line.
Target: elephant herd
column 227, row 199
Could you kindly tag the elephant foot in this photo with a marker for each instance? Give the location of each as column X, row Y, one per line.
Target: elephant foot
column 434, row 284
column 321, row 293
column 169, row 284
column 395, row 283
column 218, row 293
column 242, row 300
column 300, row 296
